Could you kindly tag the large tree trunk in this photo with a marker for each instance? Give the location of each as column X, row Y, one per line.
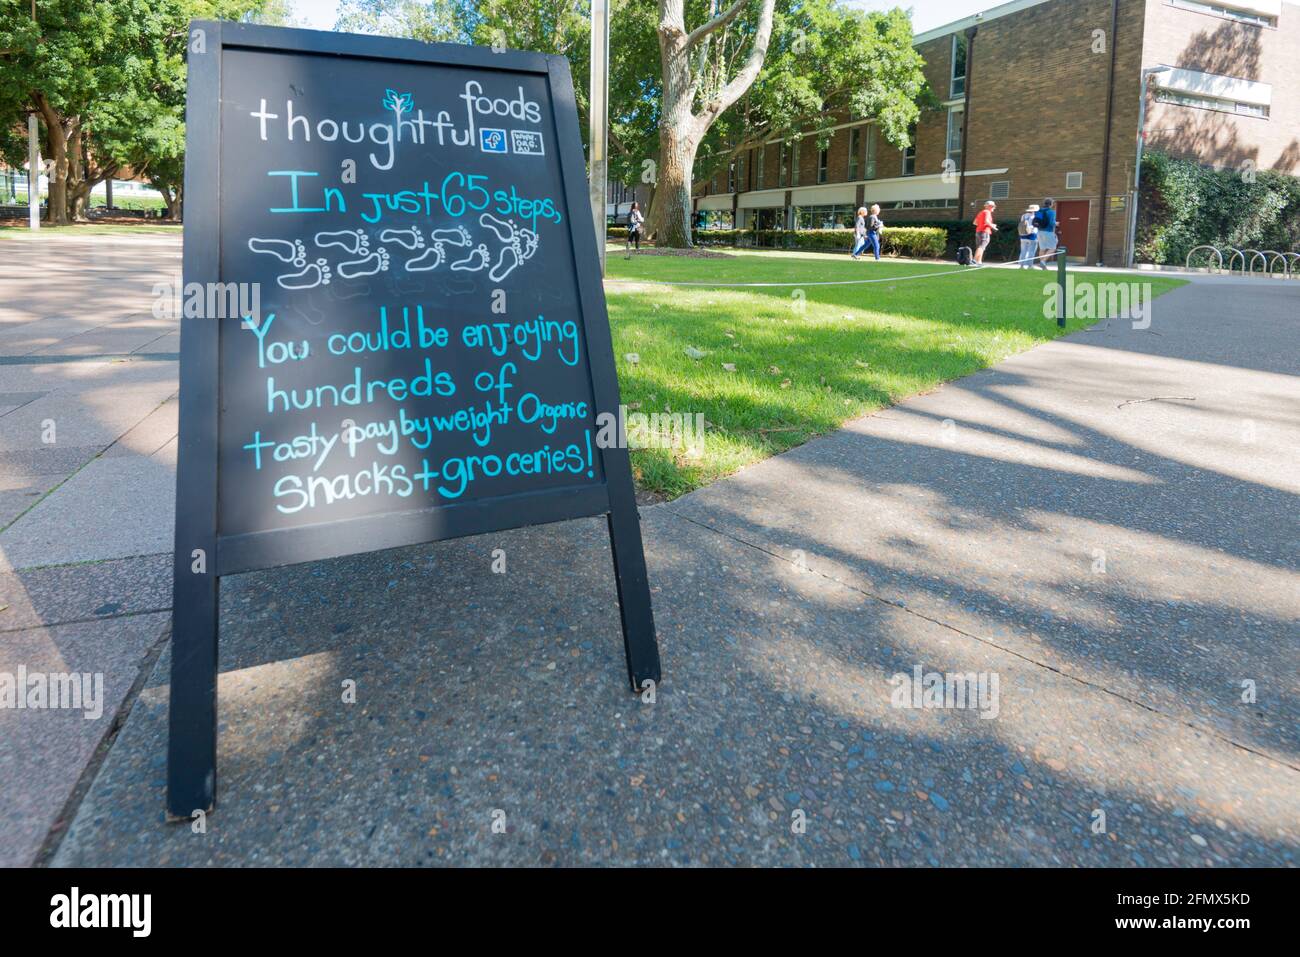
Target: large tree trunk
column 681, row 129
column 171, row 199
column 79, row 185
column 670, row 208
column 56, row 145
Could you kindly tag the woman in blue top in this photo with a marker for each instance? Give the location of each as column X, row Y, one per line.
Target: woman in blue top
column 1045, row 220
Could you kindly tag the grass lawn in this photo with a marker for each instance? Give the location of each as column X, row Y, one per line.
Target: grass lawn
column 17, row 229
column 806, row 359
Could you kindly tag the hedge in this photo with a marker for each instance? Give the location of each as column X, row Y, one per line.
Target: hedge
column 923, row 242
column 1184, row 205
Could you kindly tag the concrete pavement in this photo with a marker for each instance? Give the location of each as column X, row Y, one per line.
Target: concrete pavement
column 1105, row 523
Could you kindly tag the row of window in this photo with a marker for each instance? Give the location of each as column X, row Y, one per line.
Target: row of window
column 862, row 157
column 837, row 216
column 1219, row 10
column 1211, row 103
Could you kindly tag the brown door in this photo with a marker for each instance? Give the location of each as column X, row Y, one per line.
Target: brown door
column 1072, row 216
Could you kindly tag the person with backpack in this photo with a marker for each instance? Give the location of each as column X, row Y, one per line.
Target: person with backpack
column 860, row 232
column 634, row 220
column 1028, row 236
column 1045, row 220
column 984, row 230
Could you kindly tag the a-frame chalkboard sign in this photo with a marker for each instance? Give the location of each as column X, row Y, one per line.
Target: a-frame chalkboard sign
column 404, row 336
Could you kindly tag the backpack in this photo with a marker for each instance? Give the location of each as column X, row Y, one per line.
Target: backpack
column 964, row 256
column 1026, row 224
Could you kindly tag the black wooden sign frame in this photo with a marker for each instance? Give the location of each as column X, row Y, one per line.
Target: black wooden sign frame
column 203, row 555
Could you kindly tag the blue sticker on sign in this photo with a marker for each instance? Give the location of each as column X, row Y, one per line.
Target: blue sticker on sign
column 492, row 141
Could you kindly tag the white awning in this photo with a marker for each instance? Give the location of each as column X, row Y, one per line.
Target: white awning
column 1212, row 85
column 717, row 201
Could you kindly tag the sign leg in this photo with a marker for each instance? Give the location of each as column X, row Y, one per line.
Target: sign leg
column 634, row 597
column 192, row 717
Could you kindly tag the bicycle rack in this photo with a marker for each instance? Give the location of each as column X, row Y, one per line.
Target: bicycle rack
column 1214, row 249
column 1269, row 259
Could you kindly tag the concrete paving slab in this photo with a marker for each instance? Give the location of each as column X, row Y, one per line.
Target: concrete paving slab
column 44, row 751
column 58, row 460
column 19, row 492
column 112, row 508
column 60, row 594
column 94, row 414
column 150, row 434
column 483, row 695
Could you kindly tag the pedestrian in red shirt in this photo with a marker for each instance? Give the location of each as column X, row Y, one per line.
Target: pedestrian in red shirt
column 984, row 230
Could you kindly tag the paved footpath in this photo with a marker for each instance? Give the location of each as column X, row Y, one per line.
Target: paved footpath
column 1105, row 523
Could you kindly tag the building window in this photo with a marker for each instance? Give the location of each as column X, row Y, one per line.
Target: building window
column 960, row 43
column 855, row 147
column 823, row 164
column 794, row 165
column 758, row 170
column 731, row 177
column 920, row 204
column 783, row 166
column 909, row 153
column 870, row 171
column 1199, row 102
column 1000, row 190
column 824, row 217
column 714, row 219
column 955, row 116
column 1242, row 12
column 1074, row 180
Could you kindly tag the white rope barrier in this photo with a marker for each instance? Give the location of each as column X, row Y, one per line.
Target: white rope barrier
column 968, row 270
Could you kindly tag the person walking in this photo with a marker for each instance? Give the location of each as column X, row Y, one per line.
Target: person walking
column 860, row 232
column 1028, row 236
column 875, row 230
column 984, row 230
column 634, row 221
column 1045, row 220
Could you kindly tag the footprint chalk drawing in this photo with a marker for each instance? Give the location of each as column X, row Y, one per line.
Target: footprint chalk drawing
column 520, row 244
column 456, row 236
column 371, row 264
column 315, row 274
column 475, row 261
column 503, row 230
column 290, row 251
column 435, row 255
column 354, row 242
column 431, row 258
column 406, row 238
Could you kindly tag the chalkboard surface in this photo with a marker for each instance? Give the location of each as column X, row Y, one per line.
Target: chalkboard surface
column 404, row 336
column 421, row 338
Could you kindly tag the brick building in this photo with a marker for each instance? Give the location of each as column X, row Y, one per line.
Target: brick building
column 1041, row 98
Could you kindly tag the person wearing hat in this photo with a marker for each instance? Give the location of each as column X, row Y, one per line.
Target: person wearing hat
column 1045, row 220
column 984, row 230
column 1028, row 236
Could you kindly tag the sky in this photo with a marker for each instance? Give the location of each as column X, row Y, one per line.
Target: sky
column 926, row 14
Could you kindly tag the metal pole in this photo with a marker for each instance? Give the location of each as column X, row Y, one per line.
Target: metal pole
column 1061, row 300
column 33, row 174
column 599, row 125
column 1137, row 167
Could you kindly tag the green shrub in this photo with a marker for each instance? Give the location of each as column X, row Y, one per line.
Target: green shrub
column 129, row 202
column 922, row 242
column 1185, row 205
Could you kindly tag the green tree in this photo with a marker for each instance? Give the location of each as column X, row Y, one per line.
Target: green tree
column 107, row 80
